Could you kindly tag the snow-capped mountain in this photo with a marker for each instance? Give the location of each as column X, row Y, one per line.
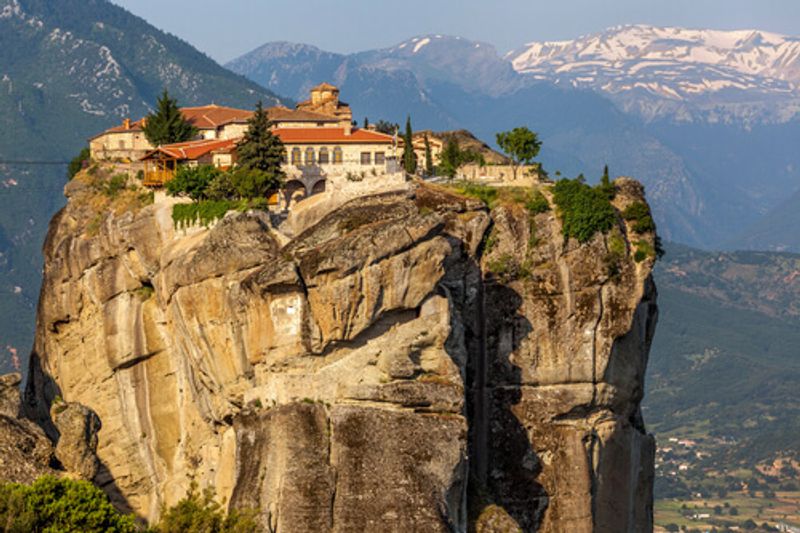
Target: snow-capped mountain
column 743, row 75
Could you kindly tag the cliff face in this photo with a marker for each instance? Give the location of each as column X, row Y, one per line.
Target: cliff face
column 387, row 369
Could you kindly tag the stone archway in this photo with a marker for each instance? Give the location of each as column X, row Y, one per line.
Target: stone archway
column 319, row 187
column 293, row 192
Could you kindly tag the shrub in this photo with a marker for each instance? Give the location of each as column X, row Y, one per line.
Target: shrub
column 584, row 210
column 254, row 183
column 192, row 181
column 78, row 163
column 199, row 512
column 221, row 187
column 639, row 213
column 205, row 212
column 52, row 505
column 537, row 203
column 506, row 268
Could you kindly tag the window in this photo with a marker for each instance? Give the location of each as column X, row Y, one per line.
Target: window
column 323, row 156
column 310, row 159
column 366, row 158
column 380, row 158
column 296, row 156
column 337, row 156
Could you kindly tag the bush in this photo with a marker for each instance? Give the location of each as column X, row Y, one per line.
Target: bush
column 192, row 181
column 639, row 213
column 221, row 188
column 584, row 210
column 78, row 163
column 53, row 505
column 254, row 183
column 199, row 512
column 537, row 203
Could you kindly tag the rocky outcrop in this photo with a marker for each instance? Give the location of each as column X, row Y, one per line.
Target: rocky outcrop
column 25, row 451
column 411, row 361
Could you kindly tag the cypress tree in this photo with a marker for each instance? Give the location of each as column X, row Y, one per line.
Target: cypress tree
column 167, row 125
column 428, row 157
column 260, row 149
column 409, row 157
column 366, row 122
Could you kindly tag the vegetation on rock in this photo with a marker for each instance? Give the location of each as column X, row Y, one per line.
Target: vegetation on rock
column 78, row 162
column 584, row 210
column 200, row 512
column 55, row 505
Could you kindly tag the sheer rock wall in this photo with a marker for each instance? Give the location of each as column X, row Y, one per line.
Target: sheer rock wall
column 373, row 373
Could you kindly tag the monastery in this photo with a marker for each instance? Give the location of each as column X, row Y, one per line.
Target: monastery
column 324, row 149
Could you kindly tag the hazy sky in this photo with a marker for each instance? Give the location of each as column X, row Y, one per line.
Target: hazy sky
column 225, row 30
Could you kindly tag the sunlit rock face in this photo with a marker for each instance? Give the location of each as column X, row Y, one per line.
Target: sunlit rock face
column 374, row 372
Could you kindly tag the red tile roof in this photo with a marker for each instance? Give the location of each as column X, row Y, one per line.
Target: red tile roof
column 213, row 116
column 330, row 136
column 192, row 150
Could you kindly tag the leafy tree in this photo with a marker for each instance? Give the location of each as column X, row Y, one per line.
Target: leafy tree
column 78, row 163
column 254, row 182
column 193, row 181
column 260, row 149
column 409, row 157
column 199, row 512
column 389, row 128
column 167, row 125
column 428, row 157
column 521, row 145
column 53, row 505
column 221, row 187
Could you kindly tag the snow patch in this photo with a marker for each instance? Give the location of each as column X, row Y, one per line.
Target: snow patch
column 421, row 44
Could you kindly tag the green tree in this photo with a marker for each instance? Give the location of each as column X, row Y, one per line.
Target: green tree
column 193, row 181
column 409, row 157
column 366, row 122
column 450, row 158
column 254, row 182
column 167, row 125
column 199, row 512
column 260, row 149
column 428, row 157
column 521, row 145
column 53, row 505
column 389, row 128
column 78, row 162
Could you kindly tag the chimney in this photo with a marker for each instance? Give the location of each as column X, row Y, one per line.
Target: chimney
column 127, row 123
column 348, row 128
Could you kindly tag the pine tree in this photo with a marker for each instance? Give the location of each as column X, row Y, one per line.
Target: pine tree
column 409, row 157
column 366, row 122
column 167, row 125
column 428, row 157
column 260, row 149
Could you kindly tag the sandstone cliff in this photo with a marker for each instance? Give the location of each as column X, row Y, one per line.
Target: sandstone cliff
column 411, row 362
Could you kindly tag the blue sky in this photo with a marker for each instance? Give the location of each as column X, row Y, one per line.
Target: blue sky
column 225, row 30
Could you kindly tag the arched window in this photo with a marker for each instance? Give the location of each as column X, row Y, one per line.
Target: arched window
column 296, row 154
column 337, row 156
column 310, row 159
column 323, row 156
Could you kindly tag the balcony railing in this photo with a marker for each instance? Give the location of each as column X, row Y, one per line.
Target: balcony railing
column 157, row 178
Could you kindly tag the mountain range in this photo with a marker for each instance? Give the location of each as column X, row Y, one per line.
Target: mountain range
column 69, row 69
